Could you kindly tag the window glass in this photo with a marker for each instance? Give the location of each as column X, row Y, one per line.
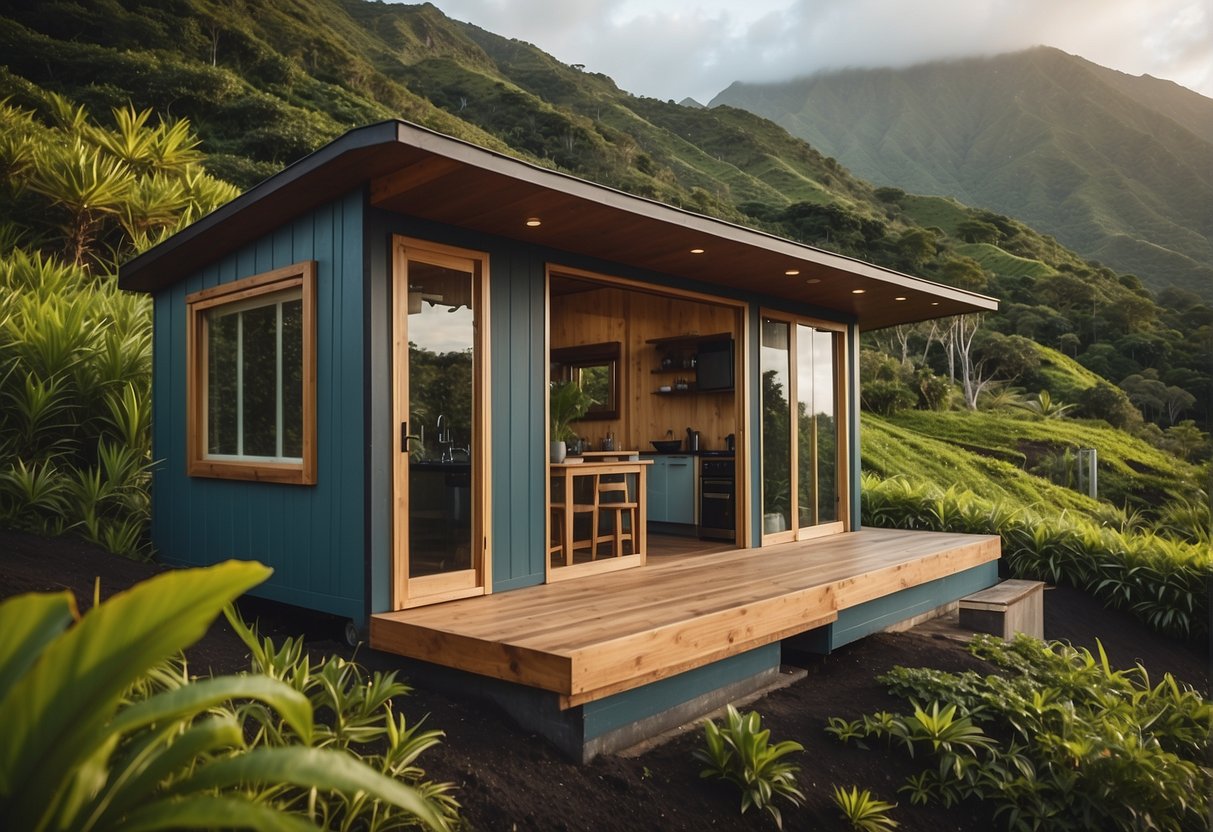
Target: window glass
column 255, row 378
column 223, row 337
column 259, row 363
column 776, row 428
column 292, row 378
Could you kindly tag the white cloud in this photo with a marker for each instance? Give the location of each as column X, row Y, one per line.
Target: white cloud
column 679, row 48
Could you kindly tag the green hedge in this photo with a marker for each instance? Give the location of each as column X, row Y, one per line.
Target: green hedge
column 1160, row 580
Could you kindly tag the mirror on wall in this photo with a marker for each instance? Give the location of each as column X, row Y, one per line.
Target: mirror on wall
column 595, row 368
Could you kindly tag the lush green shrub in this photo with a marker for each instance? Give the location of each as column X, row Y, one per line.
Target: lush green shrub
column 1160, row 580
column 741, row 753
column 1057, row 740
column 75, row 352
column 102, row 732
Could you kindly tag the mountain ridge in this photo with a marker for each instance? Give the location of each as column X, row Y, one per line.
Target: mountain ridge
column 264, row 87
column 1113, row 165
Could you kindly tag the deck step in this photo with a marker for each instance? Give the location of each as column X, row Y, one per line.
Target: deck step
column 1005, row 609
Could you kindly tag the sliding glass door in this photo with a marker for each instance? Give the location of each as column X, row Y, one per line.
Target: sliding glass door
column 803, row 428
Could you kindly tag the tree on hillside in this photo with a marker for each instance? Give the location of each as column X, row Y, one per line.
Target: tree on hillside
column 973, row 375
column 977, row 231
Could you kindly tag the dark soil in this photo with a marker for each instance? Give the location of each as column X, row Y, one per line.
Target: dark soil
column 507, row 779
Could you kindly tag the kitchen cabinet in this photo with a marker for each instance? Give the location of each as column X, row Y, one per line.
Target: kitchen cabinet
column 671, row 496
column 694, row 364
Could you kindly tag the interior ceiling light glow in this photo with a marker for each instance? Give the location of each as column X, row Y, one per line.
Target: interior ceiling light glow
column 858, row 291
column 792, row 272
column 813, row 280
column 899, row 298
column 935, row 303
column 533, row 222
column 696, row 251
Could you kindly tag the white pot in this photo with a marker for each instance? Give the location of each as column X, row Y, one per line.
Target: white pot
column 558, row 451
column 772, row 523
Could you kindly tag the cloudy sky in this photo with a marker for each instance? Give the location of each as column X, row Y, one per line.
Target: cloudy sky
column 679, row 48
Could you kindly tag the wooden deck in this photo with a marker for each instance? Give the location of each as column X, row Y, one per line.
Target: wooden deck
column 589, row 638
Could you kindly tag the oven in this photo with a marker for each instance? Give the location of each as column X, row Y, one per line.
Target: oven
column 717, row 497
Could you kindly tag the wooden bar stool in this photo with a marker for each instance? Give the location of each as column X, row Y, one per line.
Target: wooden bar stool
column 613, row 499
column 559, row 516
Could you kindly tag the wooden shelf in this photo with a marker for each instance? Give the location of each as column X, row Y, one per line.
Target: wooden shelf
column 687, row 340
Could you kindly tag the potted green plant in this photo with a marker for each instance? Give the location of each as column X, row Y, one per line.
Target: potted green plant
column 567, row 403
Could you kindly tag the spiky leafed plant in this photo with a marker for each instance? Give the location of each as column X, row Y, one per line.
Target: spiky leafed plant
column 86, row 184
column 1044, row 406
column 75, row 353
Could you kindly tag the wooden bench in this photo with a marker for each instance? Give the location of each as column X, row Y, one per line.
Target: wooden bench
column 1006, row 609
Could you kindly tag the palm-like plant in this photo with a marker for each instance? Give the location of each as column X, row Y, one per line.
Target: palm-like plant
column 86, row 184
column 1044, row 406
column 74, row 351
column 741, row 752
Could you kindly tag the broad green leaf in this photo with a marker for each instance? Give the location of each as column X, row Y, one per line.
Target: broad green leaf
column 30, row 623
column 309, row 768
column 212, row 812
column 136, row 784
column 55, row 715
column 194, row 698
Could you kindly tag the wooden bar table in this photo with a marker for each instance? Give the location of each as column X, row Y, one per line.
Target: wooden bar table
column 596, row 465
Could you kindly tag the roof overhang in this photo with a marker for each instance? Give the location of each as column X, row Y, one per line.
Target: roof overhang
column 415, row 171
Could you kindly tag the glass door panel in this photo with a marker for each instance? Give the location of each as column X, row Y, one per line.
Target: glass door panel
column 440, row 344
column 439, row 472
column 776, row 427
column 817, row 445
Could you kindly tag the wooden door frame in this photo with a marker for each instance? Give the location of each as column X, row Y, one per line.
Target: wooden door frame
column 842, row 423
column 406, row 592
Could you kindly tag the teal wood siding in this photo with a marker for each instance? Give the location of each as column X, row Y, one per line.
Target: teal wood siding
column 312, row 536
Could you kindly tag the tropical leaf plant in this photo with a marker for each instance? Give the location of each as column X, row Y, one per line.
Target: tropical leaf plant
column 92, row 745
column 862, row 811
column 1059, row 739
column 742, row 754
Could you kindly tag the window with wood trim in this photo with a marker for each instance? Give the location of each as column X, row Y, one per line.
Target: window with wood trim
column 251, row 382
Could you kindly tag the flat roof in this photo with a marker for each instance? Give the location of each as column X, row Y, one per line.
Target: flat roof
column 416, row 171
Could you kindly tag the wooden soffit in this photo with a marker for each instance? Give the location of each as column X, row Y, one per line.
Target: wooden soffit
column 415, row 171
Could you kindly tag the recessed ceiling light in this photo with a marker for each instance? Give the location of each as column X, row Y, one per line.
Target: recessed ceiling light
column 813, row 280
column 935, row 303
column 533, row 222
column 696, row 251
column 792, row 272
column 899, row 298
column 858, row 291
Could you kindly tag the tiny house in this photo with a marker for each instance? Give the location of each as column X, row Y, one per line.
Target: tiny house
column 356, row 376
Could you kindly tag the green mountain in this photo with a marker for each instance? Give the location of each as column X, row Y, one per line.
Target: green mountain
column 1120, row 168
column 265, row 83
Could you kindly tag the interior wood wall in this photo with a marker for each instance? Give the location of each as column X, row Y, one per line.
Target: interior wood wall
column 632, row 318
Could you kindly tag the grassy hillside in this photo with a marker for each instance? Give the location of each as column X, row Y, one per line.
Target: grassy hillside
column 1113, row 166
column 918, row 449
column 264, row 85
column 1130, row 470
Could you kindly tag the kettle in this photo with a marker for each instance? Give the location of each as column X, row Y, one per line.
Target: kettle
column 692, row 440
